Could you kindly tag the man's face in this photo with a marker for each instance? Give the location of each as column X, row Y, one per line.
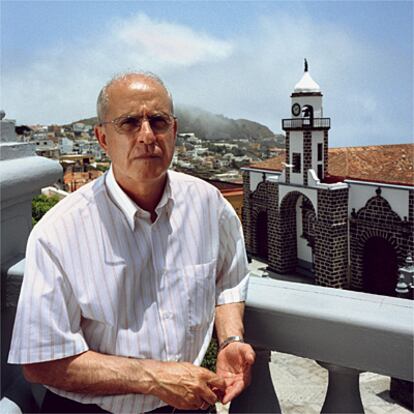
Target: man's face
column 145, row 155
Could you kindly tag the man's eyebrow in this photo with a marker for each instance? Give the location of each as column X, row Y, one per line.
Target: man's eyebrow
column 134, row 114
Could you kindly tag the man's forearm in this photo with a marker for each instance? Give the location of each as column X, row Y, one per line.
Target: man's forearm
column 229, row 320
column 95, row 373
column 180, row 384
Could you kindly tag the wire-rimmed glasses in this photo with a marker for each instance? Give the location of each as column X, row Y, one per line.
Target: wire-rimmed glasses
column 131, row 124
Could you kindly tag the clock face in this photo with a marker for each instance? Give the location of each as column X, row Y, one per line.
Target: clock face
column 295, row 109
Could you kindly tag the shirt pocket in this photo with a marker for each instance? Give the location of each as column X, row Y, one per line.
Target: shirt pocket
column 201, row 296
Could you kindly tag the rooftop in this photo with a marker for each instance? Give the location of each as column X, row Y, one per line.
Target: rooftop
column 307, row 84
column 392, row 164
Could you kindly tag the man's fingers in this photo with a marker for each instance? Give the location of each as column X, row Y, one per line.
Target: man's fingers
column 248, row 354
column 219, row 393
column 233, row 392
column 217, row 382
column 208, row 395
column 250, row 358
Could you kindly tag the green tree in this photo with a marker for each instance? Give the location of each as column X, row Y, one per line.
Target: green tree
column 102, row 168
column 40, row 205
column 209, row 360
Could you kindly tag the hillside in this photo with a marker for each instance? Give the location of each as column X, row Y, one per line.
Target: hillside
column 209, row 126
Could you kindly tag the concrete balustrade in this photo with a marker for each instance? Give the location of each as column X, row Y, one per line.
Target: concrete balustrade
column 22, row 175
column 346, row 332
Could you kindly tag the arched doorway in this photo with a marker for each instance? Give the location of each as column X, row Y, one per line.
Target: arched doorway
column 297, row 220
column 380, row 267
column 261, row 235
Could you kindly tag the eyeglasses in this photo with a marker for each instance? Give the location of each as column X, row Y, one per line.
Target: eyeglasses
column 131, row 124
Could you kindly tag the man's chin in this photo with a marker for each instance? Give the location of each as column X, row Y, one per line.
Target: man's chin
column 149, row 176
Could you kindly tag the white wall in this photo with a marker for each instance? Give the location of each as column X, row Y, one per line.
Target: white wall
column 397, row 198
column 304, row 251
column 296, row 145
column 256, row 177
column 314, row 101
column 317, row 138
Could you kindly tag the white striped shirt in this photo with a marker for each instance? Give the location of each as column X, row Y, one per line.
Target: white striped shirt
column 100, row 275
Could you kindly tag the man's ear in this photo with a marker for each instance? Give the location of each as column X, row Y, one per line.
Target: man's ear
column 175, row 126
column 101, row 137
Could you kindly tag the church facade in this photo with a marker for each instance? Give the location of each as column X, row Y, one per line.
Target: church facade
column 347, row 225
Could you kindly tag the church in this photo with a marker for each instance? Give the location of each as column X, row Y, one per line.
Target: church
column 343, row 216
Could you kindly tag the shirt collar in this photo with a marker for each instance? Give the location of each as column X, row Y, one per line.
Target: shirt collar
column 129, row 208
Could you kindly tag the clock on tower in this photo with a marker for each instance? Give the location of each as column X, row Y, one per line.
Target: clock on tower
column 306, row 132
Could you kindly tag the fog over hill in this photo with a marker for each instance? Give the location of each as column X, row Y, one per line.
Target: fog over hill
column 209, row 126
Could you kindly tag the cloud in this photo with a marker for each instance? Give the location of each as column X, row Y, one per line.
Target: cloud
column 164, row 43
column 366, row 99
column 61, row 84
column 248, row 76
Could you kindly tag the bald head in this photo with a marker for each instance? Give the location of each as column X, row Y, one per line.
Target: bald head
column 137, row 81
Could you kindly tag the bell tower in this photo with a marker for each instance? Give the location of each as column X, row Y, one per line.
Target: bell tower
column 306, row 132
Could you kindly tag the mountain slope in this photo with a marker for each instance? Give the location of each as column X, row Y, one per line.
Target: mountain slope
column 209, row 126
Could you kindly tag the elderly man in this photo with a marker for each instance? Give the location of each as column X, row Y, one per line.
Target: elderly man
column 126, row 277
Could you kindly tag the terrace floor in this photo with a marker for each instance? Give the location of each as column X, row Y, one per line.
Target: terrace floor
column 259, row 269
column 301, row 383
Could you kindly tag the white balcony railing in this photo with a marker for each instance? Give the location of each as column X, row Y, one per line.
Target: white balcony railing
column 311, row 123
column 346, row 332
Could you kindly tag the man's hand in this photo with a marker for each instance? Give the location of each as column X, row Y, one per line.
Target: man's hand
column 186, row 386
column 180, row 384
column 234, row 364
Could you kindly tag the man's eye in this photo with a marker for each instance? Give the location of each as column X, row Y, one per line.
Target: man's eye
column 129, row 123
column 158, row 122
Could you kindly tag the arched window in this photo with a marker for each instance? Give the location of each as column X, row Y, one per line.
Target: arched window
column 307, row 114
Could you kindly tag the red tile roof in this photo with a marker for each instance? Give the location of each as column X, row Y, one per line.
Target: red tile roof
column 393, row 164
column 273, row 164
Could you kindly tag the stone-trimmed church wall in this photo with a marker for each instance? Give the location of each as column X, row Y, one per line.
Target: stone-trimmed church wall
column 287, row 160
column 331, row 239
column 283, row 256
column 262, row 201
column 377, row 219
column 307, row 155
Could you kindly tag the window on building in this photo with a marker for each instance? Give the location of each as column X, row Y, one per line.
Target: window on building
column 320, row 171
column 296, row 162
column 320, row 152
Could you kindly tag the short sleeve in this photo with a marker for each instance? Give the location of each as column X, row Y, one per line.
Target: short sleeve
column 47, row 324
column 232, row 270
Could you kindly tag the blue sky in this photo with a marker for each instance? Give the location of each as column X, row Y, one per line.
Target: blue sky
column 239, row 59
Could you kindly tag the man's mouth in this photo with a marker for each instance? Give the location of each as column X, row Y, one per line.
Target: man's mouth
column 146, row 156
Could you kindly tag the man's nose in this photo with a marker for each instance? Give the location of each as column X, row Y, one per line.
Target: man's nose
column 146, row 134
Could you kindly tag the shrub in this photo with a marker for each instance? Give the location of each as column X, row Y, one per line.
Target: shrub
column 209, row 360
column 40, row 205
